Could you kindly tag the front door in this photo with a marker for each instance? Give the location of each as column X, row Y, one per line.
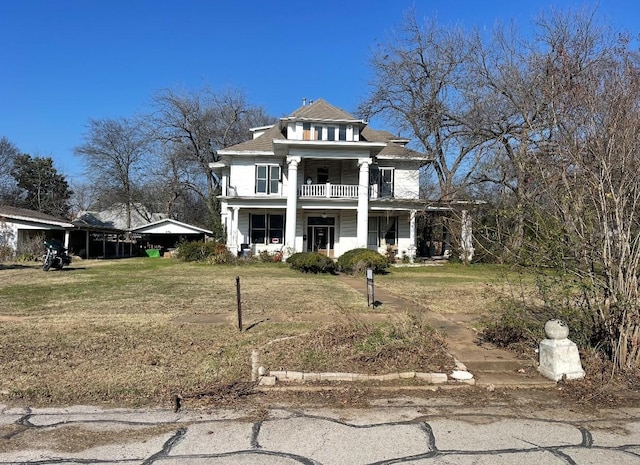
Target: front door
column 321, row 235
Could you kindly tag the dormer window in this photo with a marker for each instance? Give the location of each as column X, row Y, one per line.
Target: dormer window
column 328, row 132
column 342, row 132
column 317, row 132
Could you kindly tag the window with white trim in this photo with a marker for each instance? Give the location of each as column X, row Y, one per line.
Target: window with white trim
column 266, row 229
column 372, row 232
column 268, row 179
column 389, row 230
column 385, row 183
column 382, row 231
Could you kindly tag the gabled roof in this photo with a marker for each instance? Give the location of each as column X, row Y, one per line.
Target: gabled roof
column 262, row 143
column 393, row 148
column 33, row 216
column 320, row 110
column 90, row 221
column 115, row 217
column 170, row 226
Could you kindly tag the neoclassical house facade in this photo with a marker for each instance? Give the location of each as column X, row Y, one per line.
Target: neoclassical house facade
column 320, row 180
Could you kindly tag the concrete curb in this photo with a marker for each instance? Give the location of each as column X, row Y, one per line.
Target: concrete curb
column 270, row 378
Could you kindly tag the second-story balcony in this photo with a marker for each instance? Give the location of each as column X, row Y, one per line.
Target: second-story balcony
column 329, row 191
column 338, row 191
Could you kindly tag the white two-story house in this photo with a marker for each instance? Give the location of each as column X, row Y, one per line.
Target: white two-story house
column 320, row 180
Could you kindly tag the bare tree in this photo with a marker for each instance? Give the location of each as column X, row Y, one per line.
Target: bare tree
column 116, row 153
column 589, row 167
column 84, row 197
column 421, row 84
column 8, row 153
column 192, row 126
column 196, row 125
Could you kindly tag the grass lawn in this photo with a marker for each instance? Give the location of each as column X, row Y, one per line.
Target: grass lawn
column 137, row 331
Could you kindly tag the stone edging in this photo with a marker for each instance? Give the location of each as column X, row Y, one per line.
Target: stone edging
column 270, row 379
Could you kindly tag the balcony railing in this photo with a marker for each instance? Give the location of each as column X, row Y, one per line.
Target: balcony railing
column 329, row 191
column 339, row 191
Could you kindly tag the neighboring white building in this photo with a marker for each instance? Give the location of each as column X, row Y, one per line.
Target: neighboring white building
column 320, row 180
column 19, row 225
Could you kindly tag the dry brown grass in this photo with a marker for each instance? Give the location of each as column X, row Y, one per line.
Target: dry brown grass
column 452, row 288
column 139, row 331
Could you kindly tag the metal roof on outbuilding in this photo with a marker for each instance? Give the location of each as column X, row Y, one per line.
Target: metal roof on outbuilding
column 170, row 226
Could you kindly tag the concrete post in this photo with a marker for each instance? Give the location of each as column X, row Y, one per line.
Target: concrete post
column 559, row 356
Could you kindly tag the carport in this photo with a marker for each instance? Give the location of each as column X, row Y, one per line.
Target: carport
column 165, row 234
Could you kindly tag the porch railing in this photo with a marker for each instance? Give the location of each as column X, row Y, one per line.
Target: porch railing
column 338, row 191
column 329, row 190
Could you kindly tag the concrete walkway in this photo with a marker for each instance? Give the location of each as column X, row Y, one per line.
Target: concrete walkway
column 415, row 431
column 491, row 366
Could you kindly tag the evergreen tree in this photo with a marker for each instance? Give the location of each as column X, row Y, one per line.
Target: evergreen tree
column 40, row 186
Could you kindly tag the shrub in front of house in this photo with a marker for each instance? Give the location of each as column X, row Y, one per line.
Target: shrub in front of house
column 311, row 262
column 357, row 261
column 200, row 251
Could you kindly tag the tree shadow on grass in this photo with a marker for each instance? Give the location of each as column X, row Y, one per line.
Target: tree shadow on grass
column 17, row 266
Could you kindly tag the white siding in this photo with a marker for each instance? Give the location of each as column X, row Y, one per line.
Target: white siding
column 243, row 227
column 404, row 232
column 347, row 227
column 242, row 179
column 406, row 183
column 350, row 172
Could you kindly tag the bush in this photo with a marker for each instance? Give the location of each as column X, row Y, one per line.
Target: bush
column 31, row 248
column 311, row 262
column 6, row 253
column 266, row 256
column 357, row 261
column 513, row 329
column 199, row 251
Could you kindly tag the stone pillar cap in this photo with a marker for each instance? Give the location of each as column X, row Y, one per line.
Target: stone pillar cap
column 556, row 329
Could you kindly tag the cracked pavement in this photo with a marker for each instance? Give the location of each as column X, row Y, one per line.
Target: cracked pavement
column 392, row 431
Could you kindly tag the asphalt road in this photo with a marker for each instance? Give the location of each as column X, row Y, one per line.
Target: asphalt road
column 396, row 430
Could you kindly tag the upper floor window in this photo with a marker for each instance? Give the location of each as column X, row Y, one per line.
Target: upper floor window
column 385, row 183
column 327, row 132
column 342, row 132
column 317, row 133
column 268, row 179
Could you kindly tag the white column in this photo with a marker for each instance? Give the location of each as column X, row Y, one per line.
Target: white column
column 224, row 185
column 466, row 239
column 363, row 202
column 66, row 239
column 231, row 216
column 412, row 235
column 292, row 203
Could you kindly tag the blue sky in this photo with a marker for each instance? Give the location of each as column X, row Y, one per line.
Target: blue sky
column 65, row 61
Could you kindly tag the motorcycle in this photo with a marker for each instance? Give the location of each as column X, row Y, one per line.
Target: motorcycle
column 56, row 255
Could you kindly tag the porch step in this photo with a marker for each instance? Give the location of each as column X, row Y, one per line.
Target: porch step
column 513, row 380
